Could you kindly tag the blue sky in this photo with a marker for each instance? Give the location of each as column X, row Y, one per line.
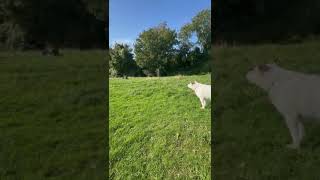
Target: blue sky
column 128, row 18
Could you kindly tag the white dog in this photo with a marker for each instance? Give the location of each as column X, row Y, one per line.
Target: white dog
column 295, row 95
column 203, row 92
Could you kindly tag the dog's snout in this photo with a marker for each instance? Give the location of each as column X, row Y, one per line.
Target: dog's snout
column 248, row 75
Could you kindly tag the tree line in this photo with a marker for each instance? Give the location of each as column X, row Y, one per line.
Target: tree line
column 34, row 24
column 160, row 50
column 265, row 21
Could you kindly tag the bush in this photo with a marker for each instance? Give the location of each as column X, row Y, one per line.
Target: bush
column 154, row 48
column 11, row 36
column 112, row 72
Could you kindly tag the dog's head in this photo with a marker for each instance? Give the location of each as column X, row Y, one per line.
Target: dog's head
column 261, row 75
column 192, row 85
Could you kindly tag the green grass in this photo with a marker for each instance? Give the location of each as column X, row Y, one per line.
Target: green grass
column 157, row 129
column 52, row 115
column 250, row 135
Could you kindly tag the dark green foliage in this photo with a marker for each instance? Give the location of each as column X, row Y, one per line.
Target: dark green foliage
column 33, row 23
column 97, row 8
column 11, row 35
column 189, row 55
column 121, row 61
column 264, row 21
column 201, row 26
column 195, row 56
column 182, row 58
column 154, row 48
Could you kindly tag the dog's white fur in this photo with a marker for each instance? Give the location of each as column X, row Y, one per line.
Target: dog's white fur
column 295, row 95
column 203, row 92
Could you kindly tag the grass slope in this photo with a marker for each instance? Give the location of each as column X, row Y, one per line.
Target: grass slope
column 52, row 115
column 250, row 135
column 157, row 129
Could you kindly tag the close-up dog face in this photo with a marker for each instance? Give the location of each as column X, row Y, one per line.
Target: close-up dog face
column 191, row 85
column 258, row 74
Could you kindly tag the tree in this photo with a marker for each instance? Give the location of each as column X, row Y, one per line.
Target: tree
column 97, row 8
column 195, row 56
column 154, row 48
column 265, row 21
column 100, row 9
column 182, row 59
column 11, row 33
column 201, row 26
column 121, row 60
column 71, row 23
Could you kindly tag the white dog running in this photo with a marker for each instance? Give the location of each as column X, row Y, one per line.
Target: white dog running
column 203, row 92
column 295, row 95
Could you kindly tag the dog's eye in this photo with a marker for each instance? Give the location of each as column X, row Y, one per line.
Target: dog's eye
column 263, row 68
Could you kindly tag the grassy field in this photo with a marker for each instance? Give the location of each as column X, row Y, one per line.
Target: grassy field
column 157, row 129
column 250, row 135
column 53, row 115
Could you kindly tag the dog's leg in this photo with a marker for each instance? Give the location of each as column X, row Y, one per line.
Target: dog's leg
column 292, row 124
column 202, row 103
column 301, row 131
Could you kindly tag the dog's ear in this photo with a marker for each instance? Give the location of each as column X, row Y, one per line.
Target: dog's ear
column 195, row 82
column 251, row 68
column 263, row 68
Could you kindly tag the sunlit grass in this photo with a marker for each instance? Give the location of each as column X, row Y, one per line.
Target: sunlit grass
column 157, row 129
column 53, row 115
